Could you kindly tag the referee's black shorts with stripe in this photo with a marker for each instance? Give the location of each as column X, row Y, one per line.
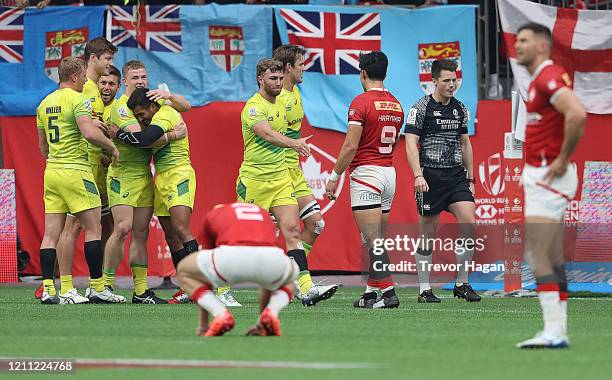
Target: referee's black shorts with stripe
column 446, row 186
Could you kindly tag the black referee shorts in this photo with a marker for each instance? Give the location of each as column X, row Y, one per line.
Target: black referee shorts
column 446, row 186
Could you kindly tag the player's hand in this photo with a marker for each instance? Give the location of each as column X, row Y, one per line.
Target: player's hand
column 101, row 126
column 155, row 95
column 112, row 130
column 105, row 160
column 115, row 154
column 556, row 169
column 330, row 189
column 301, row 146
column 180, row 130
column 420, row 185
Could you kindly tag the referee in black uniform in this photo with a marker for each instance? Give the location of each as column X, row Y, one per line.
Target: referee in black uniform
column 443, row 172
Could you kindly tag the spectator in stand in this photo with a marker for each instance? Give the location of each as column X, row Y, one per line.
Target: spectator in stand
column 40, row 4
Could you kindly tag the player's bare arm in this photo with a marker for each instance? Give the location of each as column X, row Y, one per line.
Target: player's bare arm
column 468, row 158
column 176, row 101
column 265, row 131
column 94, row 135
column 42, row 143
column 412, row 154
column 575, row 117
column 345, row 157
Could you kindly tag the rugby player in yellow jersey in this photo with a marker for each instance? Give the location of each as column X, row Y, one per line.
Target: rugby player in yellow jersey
column 65, row 127
column 108, row 86
column 130, row 187
column 292, row 58
column 99, row 57
column 175, row 183
column 263, row 178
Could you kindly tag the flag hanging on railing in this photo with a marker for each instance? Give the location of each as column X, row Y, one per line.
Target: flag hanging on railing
column 152, row 27
column 32, row 43
column 582, row 45
column 334, row 36
column 206, row 53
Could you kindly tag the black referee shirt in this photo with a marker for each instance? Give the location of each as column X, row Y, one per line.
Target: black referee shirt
column 440, row 128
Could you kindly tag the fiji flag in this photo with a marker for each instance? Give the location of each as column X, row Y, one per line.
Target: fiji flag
column 412, row 39
column 32, row 43
column 205, row 53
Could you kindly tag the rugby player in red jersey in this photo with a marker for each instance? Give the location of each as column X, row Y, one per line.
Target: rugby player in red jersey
column 555, row 123
column 239, row 246
column 375, row 119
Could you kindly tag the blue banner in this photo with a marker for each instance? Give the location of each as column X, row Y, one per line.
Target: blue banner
column 411, row 39
column 39, row 39
column 205, row 53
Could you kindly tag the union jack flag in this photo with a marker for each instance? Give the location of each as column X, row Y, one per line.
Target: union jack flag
column 332, row 40
column 150, row 27
column 11, row 35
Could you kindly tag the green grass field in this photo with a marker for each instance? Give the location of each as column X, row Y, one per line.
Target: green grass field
column 451, row 340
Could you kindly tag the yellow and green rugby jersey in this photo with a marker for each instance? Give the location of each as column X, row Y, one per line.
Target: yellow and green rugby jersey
column 133, row 161
column 57, row 115
column 92, row 91
column 107, row 111
column 262, row 160
column 175, row 153
column 295, row 114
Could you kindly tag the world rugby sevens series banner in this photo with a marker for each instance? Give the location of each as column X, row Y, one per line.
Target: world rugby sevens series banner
column 412, row 39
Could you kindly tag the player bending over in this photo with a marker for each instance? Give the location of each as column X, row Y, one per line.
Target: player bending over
column 240, row 246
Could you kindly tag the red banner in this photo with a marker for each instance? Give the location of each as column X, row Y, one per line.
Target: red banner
column 216, row 154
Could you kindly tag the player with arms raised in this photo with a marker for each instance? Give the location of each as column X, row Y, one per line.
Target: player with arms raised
column 239, row 246
column 374, row 121
column 555, row 123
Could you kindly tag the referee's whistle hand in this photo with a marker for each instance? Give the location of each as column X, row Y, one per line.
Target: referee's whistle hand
column 420, row 185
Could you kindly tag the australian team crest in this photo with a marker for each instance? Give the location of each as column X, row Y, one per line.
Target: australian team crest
column 60, row 44
column 428, row 53
column 226, row 45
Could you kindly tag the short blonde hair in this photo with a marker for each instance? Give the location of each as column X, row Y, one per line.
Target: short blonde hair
column 132, row 65
column 69, row 66
column 269, row 64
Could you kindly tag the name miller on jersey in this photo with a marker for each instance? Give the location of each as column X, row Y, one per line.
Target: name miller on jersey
column 53, row 109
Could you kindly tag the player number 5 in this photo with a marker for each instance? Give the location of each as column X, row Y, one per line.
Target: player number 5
column 387, row 137
column 53, row 130
column 247, row 212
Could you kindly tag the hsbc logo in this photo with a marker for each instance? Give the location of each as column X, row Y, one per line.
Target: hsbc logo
column 486, row 211
column 491, row 176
